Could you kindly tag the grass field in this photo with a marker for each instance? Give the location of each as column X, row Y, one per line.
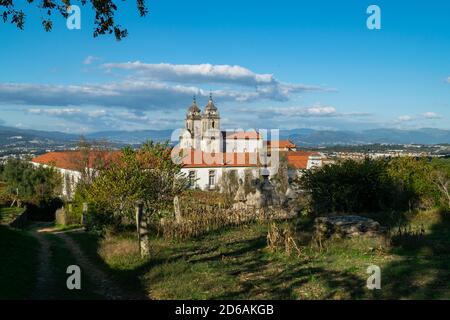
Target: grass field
column 235, row 264
column 8, row 214
column 18, row 262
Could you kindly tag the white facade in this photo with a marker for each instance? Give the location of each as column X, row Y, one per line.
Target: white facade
column 70, row 179
column 208, row 178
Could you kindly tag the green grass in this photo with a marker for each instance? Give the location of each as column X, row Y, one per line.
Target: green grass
column 8, row 214
column 61, row 227
column 18, row 262
column 235, row 264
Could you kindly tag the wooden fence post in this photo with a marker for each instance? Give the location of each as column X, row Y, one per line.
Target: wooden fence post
column 83, row 215
column 142, row 230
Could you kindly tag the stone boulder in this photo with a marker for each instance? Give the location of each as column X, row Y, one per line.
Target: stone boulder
column 346, row 226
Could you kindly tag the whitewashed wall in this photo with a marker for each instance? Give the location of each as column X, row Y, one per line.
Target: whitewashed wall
column 243, row 145
column 202, row 174
column 70, row 179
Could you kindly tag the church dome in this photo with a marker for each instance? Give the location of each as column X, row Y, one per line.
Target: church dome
column 194, row 111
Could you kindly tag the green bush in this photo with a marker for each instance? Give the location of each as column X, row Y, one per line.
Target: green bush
column 351, row 187
column 400, row 184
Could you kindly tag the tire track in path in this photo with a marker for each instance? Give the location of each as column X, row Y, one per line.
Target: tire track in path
column 45, row 280
column 105, row 286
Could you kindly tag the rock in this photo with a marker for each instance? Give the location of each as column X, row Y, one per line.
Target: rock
column 346, row 226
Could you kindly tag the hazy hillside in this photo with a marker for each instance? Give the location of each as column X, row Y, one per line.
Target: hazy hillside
column 306, row 137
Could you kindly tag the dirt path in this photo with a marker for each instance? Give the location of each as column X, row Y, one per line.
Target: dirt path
column 104, row 285
column 45, row 279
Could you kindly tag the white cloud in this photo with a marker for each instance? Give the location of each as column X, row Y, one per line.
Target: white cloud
column 90, row 59
column 266, row 85
column 431, row 115
column 148, row 89
column 405, row 118
column 56, row 112
column 132, row 94
column 448, row 80
column 101, row 119
column 195, row 73
column 317, row 110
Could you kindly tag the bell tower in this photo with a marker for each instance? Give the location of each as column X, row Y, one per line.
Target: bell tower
column 192, row 135
column 211, row 135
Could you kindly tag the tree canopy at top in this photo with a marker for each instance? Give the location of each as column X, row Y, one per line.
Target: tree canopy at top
column 104, row 14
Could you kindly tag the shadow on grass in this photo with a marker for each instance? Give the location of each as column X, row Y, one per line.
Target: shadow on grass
column 264, row 276
column 423, row 272
column 127, row 280
column 236, row 261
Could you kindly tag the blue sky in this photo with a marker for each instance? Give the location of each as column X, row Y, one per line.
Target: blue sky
column 269, row 64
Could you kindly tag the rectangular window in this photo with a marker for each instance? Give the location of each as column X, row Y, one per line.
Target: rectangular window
column 212, row 178
column 191, row 178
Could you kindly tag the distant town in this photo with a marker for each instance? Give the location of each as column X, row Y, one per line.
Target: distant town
column 22, row 148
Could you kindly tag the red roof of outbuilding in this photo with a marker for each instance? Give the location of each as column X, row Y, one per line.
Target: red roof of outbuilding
column 282, row 144
column 75, row 160
column 299, row 159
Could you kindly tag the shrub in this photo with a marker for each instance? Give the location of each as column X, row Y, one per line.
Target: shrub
column 350, row 187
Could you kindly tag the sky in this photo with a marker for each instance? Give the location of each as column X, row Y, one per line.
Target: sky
column 268, row 64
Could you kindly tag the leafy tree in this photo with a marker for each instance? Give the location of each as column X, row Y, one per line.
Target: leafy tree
column 104, row 14
column 147, row 174
column 29, row 183
column 440, row 177
column 412, row 177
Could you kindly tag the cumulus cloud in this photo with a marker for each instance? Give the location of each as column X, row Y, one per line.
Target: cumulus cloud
column 157, row 86
column 404, row 118
column 317, row 110
column 431, row 115
column 207, row 73
column 68, row 112
column 127, row 94
column 195, row 73
column 101, row 119
column 143, row 87
column 147, row 95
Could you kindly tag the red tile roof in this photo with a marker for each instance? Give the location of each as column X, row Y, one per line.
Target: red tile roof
column 198, row 159
column 75, row 160
column 252, row 135
column 282, row 144
column 299, row 159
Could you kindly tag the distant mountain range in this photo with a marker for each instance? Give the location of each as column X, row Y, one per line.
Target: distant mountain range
column 301, row 137
column 310, row 137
